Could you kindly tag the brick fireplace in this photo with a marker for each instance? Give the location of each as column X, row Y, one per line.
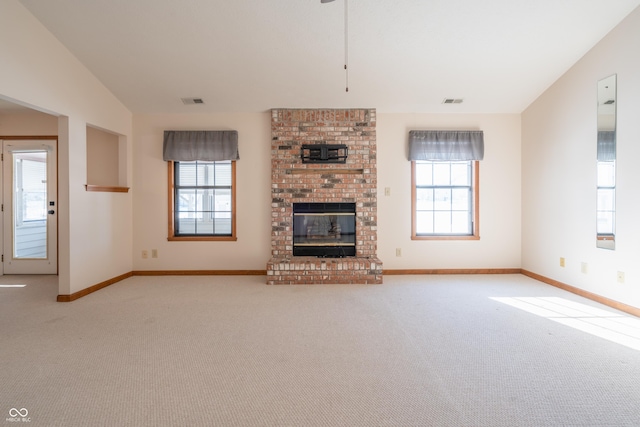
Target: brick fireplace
column 353, row 180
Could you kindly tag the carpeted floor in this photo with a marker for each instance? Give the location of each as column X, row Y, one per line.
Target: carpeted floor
column 232, row 351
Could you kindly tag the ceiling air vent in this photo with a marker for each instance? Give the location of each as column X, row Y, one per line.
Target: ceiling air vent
column 452, row 101
column 192, row 101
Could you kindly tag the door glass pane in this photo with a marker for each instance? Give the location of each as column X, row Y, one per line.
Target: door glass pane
column 30, row 205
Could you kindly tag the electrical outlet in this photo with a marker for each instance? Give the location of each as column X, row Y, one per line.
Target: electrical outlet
column 398, row 252
column 620, row 276
column 561, row 261
column 145, row 254
column 387, row 191
column 584, row 268
column 154, row 253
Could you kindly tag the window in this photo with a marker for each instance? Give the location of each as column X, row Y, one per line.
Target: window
column 202, row 200
column 30, row 192
column 444, row 199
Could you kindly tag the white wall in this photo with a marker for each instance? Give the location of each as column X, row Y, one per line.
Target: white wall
column 252, row 249
column 38, row 72
column 559, row 172
column 28, row 124
column 499, row 246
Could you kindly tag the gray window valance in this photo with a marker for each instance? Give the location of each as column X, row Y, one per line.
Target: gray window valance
column 606, row 145
column 447, row 145
column 205, row 145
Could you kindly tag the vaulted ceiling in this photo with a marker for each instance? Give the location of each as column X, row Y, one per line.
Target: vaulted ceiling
column 403, row 55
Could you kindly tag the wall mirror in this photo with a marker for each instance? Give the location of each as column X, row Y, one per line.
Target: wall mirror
column 606, row 164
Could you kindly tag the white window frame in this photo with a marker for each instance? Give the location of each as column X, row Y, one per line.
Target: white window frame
column 474, row 206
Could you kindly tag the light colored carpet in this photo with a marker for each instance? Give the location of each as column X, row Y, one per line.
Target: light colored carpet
column 232, row 351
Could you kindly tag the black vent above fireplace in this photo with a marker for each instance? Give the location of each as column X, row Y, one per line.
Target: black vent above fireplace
column 324, row 153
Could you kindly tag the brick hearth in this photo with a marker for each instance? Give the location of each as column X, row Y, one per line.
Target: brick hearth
column 352, row 182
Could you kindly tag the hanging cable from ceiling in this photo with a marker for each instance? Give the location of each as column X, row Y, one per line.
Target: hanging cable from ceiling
column 346, row 44
column 346, row 41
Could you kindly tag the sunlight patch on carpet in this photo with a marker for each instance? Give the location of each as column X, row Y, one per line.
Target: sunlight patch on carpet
column 616, row 327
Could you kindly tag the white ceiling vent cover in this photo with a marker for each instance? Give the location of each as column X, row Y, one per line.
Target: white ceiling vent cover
column 452, row 101
column 192, row 101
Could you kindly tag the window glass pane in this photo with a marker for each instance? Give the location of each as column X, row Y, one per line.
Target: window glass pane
column 424, row 173
column 442, row 222
column 205, row 199
column 200, row 173
column 605, row 199
column 206, row 173
column 461, row 173
column 606, row 174
column 223, row 222
column 424, row 222
column 223, row 173
column 199, row 200
column 222, row 201
column 460, row 199
column 186, row 225
column 460, row 223
column 441, row 173
column 185, row 174
column 442, row 199
column 186, row 203
column 424, row 199
column 605, row 222
column 204, row 225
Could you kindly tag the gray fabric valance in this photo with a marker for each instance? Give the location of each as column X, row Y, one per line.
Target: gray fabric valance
column 606, row 145
column 448, row 145
column 204, row 145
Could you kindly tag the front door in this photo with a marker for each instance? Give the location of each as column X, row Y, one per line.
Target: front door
column 29, row 207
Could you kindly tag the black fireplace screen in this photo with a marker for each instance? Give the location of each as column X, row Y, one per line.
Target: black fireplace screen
column 324, row 229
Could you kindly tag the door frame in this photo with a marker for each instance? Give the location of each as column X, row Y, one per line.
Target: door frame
column 53, row 138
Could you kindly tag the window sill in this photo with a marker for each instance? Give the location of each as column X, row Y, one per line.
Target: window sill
column 202, row 238
column 445, row 237
column 106, row 188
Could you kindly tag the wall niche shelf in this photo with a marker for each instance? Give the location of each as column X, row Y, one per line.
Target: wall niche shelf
column 106, row 161
column 106, row 188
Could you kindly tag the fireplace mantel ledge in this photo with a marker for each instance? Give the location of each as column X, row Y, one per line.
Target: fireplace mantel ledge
column 325, row 170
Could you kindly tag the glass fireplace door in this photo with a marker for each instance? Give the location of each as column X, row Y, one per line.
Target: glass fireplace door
column 324, row 229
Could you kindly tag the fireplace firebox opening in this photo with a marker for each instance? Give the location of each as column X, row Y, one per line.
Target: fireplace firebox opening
column 324, row 229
